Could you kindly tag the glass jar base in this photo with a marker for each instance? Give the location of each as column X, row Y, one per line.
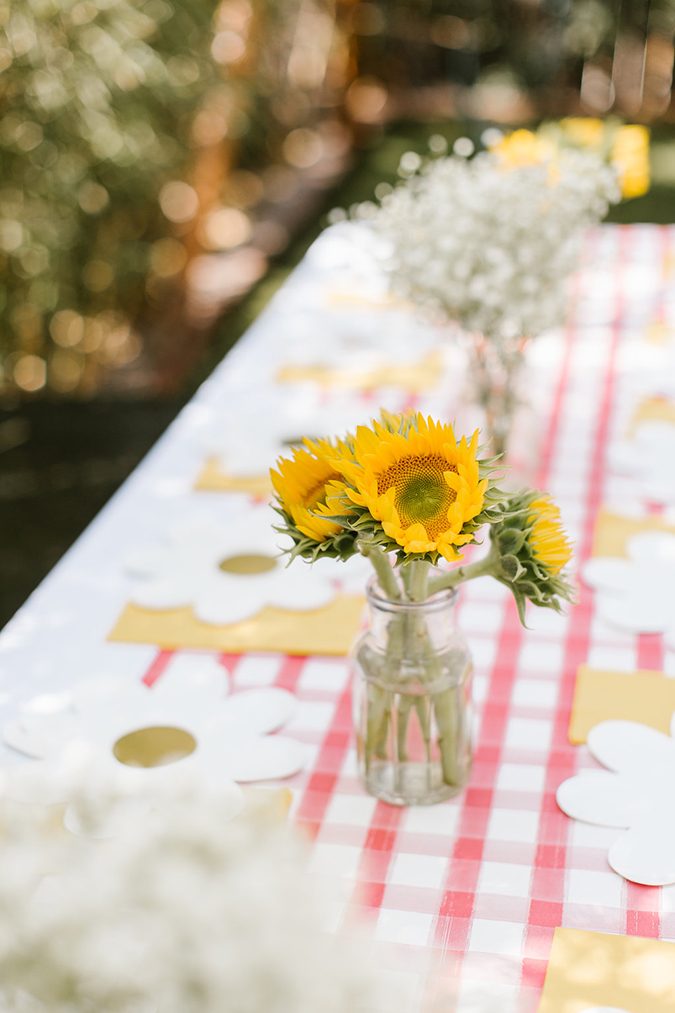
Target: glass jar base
column 410, row 783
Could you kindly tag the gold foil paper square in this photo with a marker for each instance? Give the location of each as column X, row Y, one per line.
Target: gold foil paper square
column 591, row 969
column 644, row 696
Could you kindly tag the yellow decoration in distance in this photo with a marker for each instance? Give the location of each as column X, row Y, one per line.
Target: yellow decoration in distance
column 584, row 131
column 414, row 377
column 329, row 630
column 652, row 409
column 630, row 154
column 612, row 531
column 523, row 148
column 213, row 479
column 626, row 146
column 659, row 334
column 341, row 298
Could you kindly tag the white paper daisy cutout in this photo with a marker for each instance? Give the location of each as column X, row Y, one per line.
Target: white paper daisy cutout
column 649, row 460
column 228, row 572
column 248, row 441
column 634, row 793
column 142, row 735
column 350, row 341
column 636, row 593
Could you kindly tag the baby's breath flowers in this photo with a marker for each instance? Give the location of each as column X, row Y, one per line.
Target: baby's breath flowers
column 187, row 910
column 490, row 243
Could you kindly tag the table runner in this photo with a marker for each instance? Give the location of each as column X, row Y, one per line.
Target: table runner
column 470, row 890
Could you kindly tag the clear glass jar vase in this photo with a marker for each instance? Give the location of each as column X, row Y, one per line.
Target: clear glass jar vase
column 495, row 368
column 411, row 699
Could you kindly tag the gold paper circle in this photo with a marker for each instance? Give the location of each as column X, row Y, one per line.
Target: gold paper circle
column 154, row 747
column 249, row 563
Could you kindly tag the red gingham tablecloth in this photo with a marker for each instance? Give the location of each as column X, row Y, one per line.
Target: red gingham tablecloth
column 470, row 891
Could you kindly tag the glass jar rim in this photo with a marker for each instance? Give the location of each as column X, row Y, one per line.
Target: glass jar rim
column 436, row 603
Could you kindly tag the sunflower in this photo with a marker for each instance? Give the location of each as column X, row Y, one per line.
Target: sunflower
column 412, row 476
column 547, row 538
column 306, row 485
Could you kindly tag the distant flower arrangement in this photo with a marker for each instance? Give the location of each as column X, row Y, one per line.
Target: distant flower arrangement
column 490, row 241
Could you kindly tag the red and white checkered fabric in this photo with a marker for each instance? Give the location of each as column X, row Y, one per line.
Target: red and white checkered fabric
column 475, row 886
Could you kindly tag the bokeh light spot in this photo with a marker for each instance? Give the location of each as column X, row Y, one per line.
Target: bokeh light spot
column 302, row 148
column 30, row 372
column 179, row 201
column 225, row 228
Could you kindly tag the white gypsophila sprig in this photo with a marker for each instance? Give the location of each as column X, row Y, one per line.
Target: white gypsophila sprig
column 187, row 912
column 492, row 246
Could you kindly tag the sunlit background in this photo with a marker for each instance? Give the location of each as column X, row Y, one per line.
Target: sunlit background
column 165, row 163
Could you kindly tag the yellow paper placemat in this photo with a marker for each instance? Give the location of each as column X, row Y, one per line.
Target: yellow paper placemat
column 660, row 334
column 356, row 300
column 644, row 696
column 588, row 969
column 612, row 531
column 414, row 377
column 659, row 409
column 212, row 478
column 328, row 630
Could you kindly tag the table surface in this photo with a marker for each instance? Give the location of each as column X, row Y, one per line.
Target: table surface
column 470, row 891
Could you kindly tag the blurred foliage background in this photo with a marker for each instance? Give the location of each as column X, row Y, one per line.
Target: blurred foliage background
column 156, row 154
column 165, row 163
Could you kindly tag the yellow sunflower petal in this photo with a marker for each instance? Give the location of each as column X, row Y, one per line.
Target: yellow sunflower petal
column 302, row 483
column 419, row 482
column 547, row 537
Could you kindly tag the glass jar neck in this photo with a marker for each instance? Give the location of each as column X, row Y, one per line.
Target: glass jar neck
column 436, row 616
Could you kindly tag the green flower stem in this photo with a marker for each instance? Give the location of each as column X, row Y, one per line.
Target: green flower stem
column 415, row 579
column 405, row 703
column 386, row 717
column 463, row 573
column 383, row 568
column 445, row 708
column 423, row 716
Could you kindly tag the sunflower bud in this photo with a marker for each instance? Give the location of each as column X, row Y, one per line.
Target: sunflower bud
column 530, row 549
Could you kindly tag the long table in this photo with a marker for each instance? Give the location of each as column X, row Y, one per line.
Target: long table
column 468, row 892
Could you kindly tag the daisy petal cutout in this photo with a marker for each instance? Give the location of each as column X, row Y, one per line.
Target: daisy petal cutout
column 649, row 460
column 252, row 447
column 229, row 572
column 186, row 720
column 635, row 593
column 634, row 794
column 226, row 573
